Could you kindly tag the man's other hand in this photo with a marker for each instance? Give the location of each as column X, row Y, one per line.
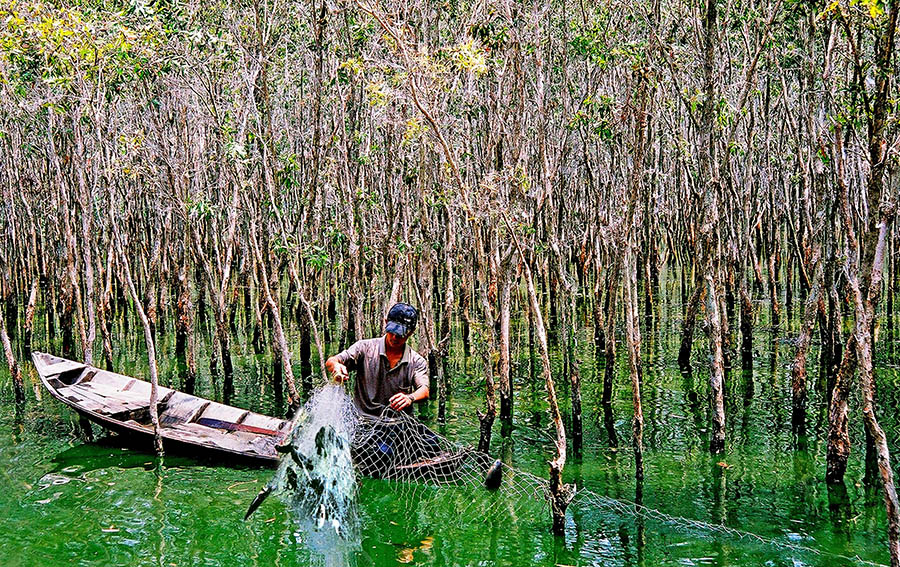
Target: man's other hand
column 400, row 401
column 340, row 373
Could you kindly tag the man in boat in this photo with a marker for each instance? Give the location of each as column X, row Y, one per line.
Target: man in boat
column 389, row 373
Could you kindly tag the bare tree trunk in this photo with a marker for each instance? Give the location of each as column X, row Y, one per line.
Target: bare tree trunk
column 798, row 369
column 865, row 315
column 772, row 275
column 18, row 384
column 305, row 357
column 84, row 199
column 687, row 328
column 577, row 413
column 708, row 235
column 838, row 449
column 717, row 368
column 560, row 494
column 29, row 315
column 184, row 322
column 746, row 325
column 609, row 370
column 487, row 271
column 277, row 329
column 105, row 312
column 506, row 391
column 148, row 338
column 633, row 333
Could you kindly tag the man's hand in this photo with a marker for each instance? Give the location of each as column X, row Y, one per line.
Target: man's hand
column 339, row 372
column 400, row 401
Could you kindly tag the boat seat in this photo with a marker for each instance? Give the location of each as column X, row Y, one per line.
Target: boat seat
column 182, row 408
column 60, row 367
column 222, row 412
column 67, row 371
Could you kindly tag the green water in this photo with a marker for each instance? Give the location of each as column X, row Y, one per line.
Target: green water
column 66, row 502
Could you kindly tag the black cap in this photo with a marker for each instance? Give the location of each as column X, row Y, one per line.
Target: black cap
column 402, row 319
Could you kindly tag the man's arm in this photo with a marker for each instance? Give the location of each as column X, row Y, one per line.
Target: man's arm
column 420, row 378
column 340, row 364
column 402, row 401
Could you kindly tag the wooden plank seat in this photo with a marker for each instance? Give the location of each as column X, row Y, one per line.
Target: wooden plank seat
column 222, row 412
column 59, row 367
column 182, row 408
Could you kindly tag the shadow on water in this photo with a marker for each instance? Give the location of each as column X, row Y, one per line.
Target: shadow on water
column 840, row 510
column 123, row 452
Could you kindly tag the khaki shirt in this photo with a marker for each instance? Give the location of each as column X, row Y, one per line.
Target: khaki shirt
column 375, row 382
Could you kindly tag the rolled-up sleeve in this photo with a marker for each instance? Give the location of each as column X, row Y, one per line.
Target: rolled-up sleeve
column 420, row 372
column 351, row 356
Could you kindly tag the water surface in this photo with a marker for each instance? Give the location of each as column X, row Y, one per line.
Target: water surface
column 67, row 502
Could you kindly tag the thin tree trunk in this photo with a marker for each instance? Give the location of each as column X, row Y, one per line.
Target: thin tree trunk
column 18, row 384
column 609, row 370
column 84, row 199
column 29, row 315
column 560, row 494
column 687, row 328
column 277, row 330
column 799, row 394
column 746, row 326
column 506, row 392
column 148, row 338
column 633, row 334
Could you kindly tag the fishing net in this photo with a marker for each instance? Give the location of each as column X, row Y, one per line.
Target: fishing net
column 333, row 444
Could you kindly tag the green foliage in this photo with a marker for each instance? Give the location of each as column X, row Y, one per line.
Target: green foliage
column 350, row 69
column 284, row 245
column 199, row 208
column 63, row 46
column 469, row 56
column 590, row 43
column 288, row 176
column 492, row 33
column 316, row 256
column 377, row 94
column 596, row 116
column 595, row 42
column 336, row 236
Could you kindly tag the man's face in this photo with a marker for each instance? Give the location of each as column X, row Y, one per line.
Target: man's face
column 394, row 341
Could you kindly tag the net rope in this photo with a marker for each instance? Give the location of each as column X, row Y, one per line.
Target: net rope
column 413, row 458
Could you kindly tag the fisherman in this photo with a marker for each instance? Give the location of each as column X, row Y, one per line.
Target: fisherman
column 389, row 373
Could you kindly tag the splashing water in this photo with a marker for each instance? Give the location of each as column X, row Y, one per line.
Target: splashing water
column 316, row 478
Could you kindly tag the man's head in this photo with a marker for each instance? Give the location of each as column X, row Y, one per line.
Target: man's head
column 401, row 320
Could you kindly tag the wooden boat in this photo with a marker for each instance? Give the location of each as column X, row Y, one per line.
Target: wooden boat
column 122, row 404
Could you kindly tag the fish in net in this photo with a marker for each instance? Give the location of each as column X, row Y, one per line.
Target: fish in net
column 315, row 476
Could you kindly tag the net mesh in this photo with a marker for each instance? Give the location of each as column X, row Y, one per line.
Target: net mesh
column 336, row 444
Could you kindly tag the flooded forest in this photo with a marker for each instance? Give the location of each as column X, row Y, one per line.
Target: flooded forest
column 652, row 244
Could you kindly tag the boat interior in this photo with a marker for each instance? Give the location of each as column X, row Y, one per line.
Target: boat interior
column 121, row 399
